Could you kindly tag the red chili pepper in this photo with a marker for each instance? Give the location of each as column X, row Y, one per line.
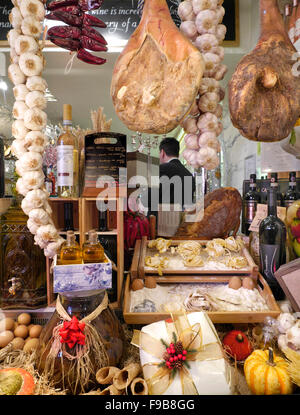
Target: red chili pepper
column 87, row 57
column 66, row 43
column 93, row 34
column 90, row 20
column 87, row 5
column 61, row 3
column 65, row 32
column 69, row 9
column 70, row 19
column 91, row 44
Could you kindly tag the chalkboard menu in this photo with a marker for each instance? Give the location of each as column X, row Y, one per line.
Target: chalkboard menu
column 122, row 18
column 103, row 159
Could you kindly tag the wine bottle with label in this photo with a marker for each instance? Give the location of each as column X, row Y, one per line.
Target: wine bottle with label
column 274, row 185
column 67, row 158
column 251, row 199
column 272, row 240
column 292, row 194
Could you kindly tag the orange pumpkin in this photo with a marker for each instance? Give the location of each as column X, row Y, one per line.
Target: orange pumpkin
column 267, row 374
column 237, row 345
column 16, row 381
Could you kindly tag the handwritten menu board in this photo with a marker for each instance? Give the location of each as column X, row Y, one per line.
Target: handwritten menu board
column 103, row 159
column 122, row 18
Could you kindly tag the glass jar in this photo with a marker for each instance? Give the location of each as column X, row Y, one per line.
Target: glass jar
column 80, row 305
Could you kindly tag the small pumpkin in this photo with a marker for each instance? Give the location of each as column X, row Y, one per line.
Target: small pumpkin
column 237, row 345
column 16, row 381
column 267, row 374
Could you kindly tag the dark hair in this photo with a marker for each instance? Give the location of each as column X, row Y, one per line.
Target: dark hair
column 170, row 146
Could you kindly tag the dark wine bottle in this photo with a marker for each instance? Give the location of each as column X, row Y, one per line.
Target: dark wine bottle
column 272, row 239
column 103, row 222
column 251, row 199
column 2, row 175
column 274, row 185
column 292, row 194
column 68, row 216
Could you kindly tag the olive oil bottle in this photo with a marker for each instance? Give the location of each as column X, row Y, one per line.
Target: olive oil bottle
column 93, row 251
column 70, row 252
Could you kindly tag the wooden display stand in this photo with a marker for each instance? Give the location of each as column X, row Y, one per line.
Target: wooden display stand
column 85, row 217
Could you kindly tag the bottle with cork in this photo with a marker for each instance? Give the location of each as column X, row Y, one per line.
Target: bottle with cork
column 93, row 251
column 70, row 252
column 67, row 158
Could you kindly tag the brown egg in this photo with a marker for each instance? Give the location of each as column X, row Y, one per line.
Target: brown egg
column 7, row 324
column 32, row 344
column 235, row 283
column 137, row 284
column 21, row 331
column 248, row 283
column 18, row 343
column 150, row 282
column 30, row 325
column 24, row 318
column 35, row 331
column 6, row 337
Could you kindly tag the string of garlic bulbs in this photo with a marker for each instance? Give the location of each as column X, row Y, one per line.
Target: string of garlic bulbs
column 27, row 64
column 202, row 24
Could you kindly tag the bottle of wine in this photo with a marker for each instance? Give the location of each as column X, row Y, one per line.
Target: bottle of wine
column 272, row 239
column 274, row 185
column 67, row 158
column 251, row 199
column 292, row 194
column 103, row 222
column 68, row 216
column 2, row 175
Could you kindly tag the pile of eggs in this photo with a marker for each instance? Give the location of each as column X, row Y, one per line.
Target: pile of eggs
column 236, row 282
column 21, row 333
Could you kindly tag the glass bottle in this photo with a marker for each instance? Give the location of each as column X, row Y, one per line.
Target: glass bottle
column 274, row 184
column 70, row 252
column 102, row 218
column 109, row 329
column 22, row 263
column 272, row 240
column 93, row 251
column 68, row 216
column 251, row 199
column 48, row 182
column 67, row 158
column 292, row 194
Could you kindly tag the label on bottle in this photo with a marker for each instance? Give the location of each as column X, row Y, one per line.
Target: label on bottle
column 249, row 210
column 262, row 213
column 65, row 165
column 269, row 259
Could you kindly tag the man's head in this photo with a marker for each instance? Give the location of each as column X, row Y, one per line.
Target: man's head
column 168, row 148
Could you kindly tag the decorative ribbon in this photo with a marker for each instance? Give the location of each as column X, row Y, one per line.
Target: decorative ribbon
column 158, row 376
column 76, row 334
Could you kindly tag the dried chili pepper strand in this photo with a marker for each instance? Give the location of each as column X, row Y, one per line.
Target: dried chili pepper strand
column 91, row 44
column 64, row 31
column 93, row 34
column 69, row 19
column 87, row 57
column 66, row 43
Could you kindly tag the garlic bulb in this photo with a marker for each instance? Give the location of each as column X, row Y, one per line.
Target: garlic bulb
column 31, row 161
column 14, row 57
column 32, row 8
column 21, row 188
column 221, row 32
column 32, row 27
column 15, row 18
column 35, row 119
column 20, row 91
column 191, row 142
column 36, row 198
column 208, row 102
column 208, row 158
column 209, row 139
column 32, row 226
column 209, row 85
column 47, row 233
column 42, row 243
column 220, row 72
column 15, row 74
column 191, row 157
column 53, row 247
column 293, row 335
column 35, row 141
column 199, row 5
column 218, row 111
column 211, row 64
column 31, row 64
column 19, row 169
column 285, row 321
column 36, row 99
column 185, row 11
column 18, row 149
column 190, row 125
column 47, row 208
column 19, row 130
column 282, row 342
column 220, row 51
column 36, row 83
column 206, row 43
column 207, row 122
column 26, row 206
column 220, row 11
column 39, row 216
column 12, row 36
column 25, row 44
column 189, row 29
column 206, row 22
column 19, row 109
column 33, row 179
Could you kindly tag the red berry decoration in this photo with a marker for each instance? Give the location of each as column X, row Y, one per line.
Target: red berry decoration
column 237, row 345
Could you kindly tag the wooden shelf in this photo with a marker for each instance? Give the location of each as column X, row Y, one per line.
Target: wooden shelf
column 64, row 199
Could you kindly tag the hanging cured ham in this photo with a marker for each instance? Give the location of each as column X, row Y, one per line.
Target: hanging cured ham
column 157, row 76
column 264, row 94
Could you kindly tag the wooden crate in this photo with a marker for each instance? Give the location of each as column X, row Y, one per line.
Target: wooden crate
column 216, row 317
column 178, row 275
